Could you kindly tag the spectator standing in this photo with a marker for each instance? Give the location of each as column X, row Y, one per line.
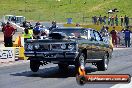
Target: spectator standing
column 127, row 36
column 8, row 31
column 109, row 20
column 122, row 19
column 116, row 20
column 104, row 31
column 112, row 19
column 95, row 19
column 53, row 25
column 100, row 19
column 114, row 36
column 121, row 37
column 125, row 20
column 104, row 20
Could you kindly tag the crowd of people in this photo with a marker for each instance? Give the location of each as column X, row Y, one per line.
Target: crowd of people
column 38, row 31
column 122, row 37
column 111, row 20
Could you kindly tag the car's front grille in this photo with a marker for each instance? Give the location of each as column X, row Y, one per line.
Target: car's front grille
column 45, row 47
column 50, row 47
column 56, row 46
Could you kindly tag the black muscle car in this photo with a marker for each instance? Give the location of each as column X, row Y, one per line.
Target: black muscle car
column 69, row 46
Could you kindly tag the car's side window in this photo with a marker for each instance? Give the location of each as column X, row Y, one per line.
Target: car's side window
column 97, row 36
column 84, row 34
column 92, row 36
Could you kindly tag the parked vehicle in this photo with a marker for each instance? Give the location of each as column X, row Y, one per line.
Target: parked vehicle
column 69, row 46
column 2, row 24
column 12, row 18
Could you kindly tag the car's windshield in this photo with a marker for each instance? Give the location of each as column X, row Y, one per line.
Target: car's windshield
column 72, row 33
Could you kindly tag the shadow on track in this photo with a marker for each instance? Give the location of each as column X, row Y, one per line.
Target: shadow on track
column 53, row 72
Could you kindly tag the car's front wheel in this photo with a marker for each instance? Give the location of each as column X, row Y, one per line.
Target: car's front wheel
column 34, row 65
column 103, row 64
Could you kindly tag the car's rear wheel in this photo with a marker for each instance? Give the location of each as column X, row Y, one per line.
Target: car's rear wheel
column 103, row 64
column 34, row 65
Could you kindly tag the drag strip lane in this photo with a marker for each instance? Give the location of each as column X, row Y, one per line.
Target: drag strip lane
column 49, row 76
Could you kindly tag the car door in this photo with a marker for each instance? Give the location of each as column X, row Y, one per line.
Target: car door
column 100, row 47
column 89, row 44
column 93, row 46
column 85, row 35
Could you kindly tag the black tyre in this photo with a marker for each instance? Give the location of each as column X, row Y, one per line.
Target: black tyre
column 80, row 62
column 103, row 64
column 34, row 65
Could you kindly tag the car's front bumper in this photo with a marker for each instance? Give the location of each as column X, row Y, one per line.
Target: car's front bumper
column 52, row 55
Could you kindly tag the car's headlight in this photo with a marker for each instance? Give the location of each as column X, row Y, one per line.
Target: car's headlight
column 71, row 46
column 36, row 46
column 63, row 46
column 30, row 46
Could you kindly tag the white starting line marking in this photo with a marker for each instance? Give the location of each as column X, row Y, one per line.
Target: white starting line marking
column 129, row 85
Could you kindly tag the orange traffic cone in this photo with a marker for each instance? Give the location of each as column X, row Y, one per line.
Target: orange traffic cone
column 19, row 41
column 81, row 71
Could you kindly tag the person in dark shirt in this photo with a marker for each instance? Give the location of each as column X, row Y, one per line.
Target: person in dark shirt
column 122, row 19
column 100, row 19
column 116, row 20
column 104, row 20
column 127, row 37
column 109, row 20
column 95, row 20
column 125, row 20
column 53, row 25
column 112, row 20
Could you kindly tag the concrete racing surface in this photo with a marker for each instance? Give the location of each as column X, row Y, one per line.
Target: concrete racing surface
column 49, row 76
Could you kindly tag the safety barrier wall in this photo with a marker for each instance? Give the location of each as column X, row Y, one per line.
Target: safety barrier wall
column 9, row 54
column 19, row 43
